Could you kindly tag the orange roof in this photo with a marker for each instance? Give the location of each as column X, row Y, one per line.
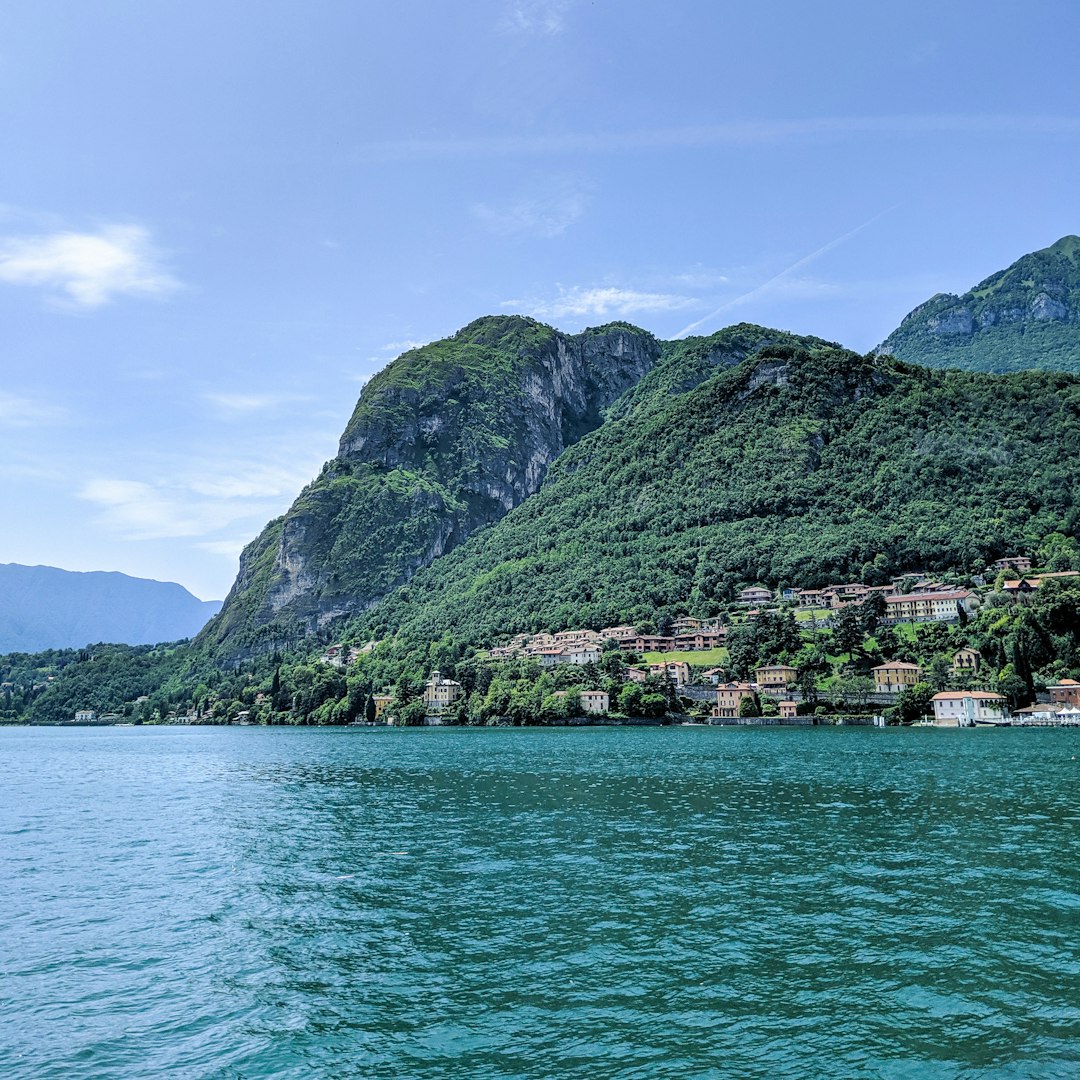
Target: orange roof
column 896, row 664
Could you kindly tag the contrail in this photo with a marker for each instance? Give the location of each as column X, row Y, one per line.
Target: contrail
column 766, row 285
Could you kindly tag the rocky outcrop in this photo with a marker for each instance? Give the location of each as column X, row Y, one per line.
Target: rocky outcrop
column 443, row 442
column 1027, row 316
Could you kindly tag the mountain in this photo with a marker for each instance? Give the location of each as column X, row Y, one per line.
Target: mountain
column 1027, row 316
column 513, row 477
column 802, row 464
column 42, row 607
column 444, row 441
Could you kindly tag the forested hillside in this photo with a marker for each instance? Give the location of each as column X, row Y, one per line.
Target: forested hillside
column 800, row 465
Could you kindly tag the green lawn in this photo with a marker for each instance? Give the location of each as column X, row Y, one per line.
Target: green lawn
column 704, row 658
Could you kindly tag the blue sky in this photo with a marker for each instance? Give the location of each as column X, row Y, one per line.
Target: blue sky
column 217, row 220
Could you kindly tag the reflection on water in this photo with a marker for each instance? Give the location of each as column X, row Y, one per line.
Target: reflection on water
column 609, row 902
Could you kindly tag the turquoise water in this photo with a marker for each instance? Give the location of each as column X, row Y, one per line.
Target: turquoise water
column 691, row 902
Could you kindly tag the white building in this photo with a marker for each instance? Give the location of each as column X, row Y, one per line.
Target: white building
column 966, row 708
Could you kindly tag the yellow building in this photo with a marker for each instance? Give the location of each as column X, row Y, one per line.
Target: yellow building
column 774, row 677
column 966, row 662
column 381, row 702
column 896, row 676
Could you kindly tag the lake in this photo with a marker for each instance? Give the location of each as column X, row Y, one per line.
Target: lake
column 599, row 902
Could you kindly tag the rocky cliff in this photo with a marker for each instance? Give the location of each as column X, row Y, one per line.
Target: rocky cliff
column 444, row 441
column 1027, row 316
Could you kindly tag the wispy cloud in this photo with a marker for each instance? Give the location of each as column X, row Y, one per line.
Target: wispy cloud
column 243, row 404
column 401, row 346
column 735, row 133
column 603, row 301
column 21, row 412
column 196, row 501
column 86, row 270
column 777, row 279
column 546, row 17
column 546, row 213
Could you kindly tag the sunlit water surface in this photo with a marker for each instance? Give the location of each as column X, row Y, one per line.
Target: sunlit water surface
column 693, row 902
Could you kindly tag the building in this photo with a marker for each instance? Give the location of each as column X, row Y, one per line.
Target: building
column 1021, row 586
column 1065, row 692
column 775, row 678
column 678, row 671
column 966, row 662
column 966, row 708
column 84, row 716
column 697, row 640
column 636, row 674
column 686, row 623
column 929, row 606
column 893, row 677
column 788, row 709
column 1021, row 564
column 440, row 693
column 755, row 595
column 729, row 698
column 381, row 702
column 581, row 654
column 592, row 701
column 618, row 633
column 714, row 675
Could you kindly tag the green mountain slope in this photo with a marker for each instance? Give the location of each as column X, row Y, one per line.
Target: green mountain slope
column 1027, row 316
column 447, row 439
column 799, row 465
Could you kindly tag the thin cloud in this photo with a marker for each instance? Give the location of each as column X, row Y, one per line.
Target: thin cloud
column 773, row 282
column 545, row 17
column 240, row 404
column 546, row 215
column 86, row 270
column 736, row 133
column 20, row 412
column 402, row 346
column 605, row 301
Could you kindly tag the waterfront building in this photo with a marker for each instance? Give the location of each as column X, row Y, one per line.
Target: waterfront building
column 965, row 708
column 729, row 698
column 440, row 693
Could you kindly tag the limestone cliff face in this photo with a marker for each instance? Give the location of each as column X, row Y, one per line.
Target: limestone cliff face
column 444, row 441
column 1027, row 316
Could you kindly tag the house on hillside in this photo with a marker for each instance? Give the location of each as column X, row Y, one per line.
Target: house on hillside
column 895, row 676
column 636, row 674
column 755, row 594
column 775, row 678
column 1022, row 586
column 678, row 671
column 965, row 662
column 788, row 709
column 381, row 702
column 966, row 708
column 84, row 716
column 929, row 606
column 1019, row 564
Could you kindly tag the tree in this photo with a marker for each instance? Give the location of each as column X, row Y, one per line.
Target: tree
column 873, row 611
column 370, row 709
column 914, row 702
column 748, row 706
column 847, row 630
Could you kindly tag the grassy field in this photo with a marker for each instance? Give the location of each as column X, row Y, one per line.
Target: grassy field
column 704, row 658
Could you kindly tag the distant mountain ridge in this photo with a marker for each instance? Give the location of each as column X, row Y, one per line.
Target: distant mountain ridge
column 1024, row 317
column 44, row 607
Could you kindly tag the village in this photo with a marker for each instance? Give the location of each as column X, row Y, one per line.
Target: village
column 667, row 655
